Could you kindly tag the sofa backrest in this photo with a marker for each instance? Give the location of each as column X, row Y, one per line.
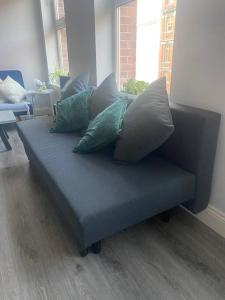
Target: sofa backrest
column 193, row 147
column 63, row 80
column 14, row 74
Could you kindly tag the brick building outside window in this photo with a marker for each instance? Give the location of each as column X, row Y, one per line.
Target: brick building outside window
column 145, row 40
column 127, row 43
column 61, row 35
column 167, row 40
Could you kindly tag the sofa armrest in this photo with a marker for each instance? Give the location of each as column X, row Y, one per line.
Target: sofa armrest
column 193, row 147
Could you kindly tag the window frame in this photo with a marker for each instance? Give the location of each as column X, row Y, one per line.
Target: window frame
column 119, row 3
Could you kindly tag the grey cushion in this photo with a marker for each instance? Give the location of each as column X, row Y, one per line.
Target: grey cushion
column 147, row 124
column 97, row 196
column 104, row 96
column 75, row 85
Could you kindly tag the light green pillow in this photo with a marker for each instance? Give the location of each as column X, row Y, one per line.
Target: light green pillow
column 73, row 113
column 104, row 129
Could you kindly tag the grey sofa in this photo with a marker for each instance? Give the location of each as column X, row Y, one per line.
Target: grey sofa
column 99, row 197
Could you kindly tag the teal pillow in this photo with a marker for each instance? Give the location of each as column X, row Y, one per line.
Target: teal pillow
column 73, row 113
column 104, row 129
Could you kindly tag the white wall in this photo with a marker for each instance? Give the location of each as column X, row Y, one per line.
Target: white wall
column 199, row 70
column 80, row 24
column 104, row 38
column 90, row 32
column 21, row 39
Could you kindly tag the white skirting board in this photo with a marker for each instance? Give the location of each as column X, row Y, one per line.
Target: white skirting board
column 214, row 218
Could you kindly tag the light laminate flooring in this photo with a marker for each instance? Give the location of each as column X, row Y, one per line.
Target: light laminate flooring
column 39, row 259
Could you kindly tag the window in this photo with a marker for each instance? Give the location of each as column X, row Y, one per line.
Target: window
column 59, row 9
column 61, row 35
column 170, row 2
column 167, row 53
column 169, row 24
column 145, row 35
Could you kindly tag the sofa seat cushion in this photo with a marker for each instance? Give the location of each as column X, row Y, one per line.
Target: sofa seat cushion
column 104, row 196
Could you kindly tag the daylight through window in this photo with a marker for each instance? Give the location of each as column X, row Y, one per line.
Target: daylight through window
column 145, row 35
column 61, row 35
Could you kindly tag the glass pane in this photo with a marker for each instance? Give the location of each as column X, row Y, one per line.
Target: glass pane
column 168, row 22
column 127, row 41
column 59, row 9
column 145, row 43
column 63, row 50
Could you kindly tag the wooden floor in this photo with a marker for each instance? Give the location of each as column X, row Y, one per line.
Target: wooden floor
column 39, row 257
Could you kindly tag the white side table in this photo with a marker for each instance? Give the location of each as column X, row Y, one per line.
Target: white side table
column 43, row 101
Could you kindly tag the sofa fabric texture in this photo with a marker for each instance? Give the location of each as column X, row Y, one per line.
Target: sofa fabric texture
column 104, row 129
column 75, row 85
column 104, row 95
column 97, row 196
column 73, row 113
column 147, row 124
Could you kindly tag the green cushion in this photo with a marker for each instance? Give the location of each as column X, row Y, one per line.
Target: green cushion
column 104, row 129
column 73, row 113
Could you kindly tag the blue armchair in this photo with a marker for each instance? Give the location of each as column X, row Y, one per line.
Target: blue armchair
column 21, row 108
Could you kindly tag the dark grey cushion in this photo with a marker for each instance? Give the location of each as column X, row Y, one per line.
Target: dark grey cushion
column 147, row 124
column 97, row 196
column 104, row 96
column 75, row 85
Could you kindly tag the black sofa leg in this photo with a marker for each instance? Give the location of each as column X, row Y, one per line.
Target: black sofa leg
column 165, row 217
column 96, row 247
column 84, row 252
column 5, row 137
column 6, row 134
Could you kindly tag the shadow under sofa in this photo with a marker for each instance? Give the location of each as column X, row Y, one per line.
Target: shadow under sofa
column 99, row 197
